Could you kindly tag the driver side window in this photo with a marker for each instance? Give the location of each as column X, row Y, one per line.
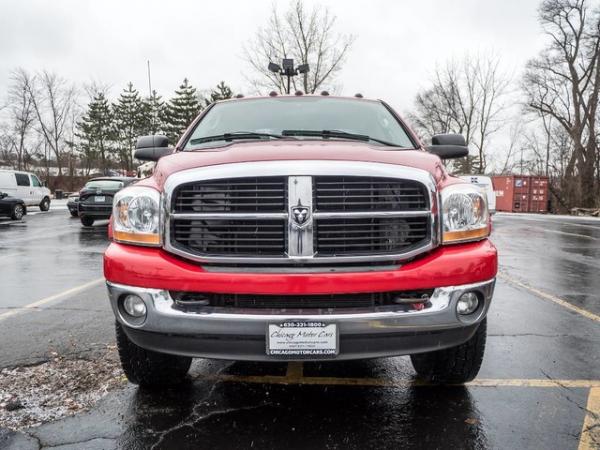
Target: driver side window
column 35, row 181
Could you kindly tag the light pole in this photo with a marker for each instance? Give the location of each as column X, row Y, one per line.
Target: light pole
column 287, row 70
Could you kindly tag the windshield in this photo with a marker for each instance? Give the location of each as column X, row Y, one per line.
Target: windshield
column 104, row 184
column 276, row 115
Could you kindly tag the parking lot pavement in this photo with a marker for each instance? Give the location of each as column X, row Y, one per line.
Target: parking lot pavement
column 52, row 287
column 539, row 386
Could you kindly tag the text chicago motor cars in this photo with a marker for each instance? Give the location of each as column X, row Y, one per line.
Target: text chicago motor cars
column 300, row 228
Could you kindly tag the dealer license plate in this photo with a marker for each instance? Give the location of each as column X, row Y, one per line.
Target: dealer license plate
column 302, row 339
column 99, row 198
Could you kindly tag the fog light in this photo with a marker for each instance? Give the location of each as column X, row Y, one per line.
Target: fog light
column 467, row 303
column 134, row 306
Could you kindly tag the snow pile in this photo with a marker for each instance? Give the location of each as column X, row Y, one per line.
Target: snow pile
column 30, row 396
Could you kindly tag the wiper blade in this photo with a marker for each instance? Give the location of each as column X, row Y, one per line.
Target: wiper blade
column 336, row 134
column 234, row 135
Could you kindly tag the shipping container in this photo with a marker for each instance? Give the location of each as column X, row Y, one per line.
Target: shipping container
column 521, row 193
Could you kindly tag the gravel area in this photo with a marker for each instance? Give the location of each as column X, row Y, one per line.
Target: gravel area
column 33, row 395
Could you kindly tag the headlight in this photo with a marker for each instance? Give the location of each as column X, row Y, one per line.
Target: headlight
column 136, row 216
column 465, row 214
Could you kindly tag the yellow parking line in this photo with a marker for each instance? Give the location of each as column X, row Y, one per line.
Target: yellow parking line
column 552, row 298
column 295, row 370
column 537, row 383
column 590, row 433
column 52, row 298
column 385, row 382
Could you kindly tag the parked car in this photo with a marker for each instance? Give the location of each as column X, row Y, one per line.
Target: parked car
column 26, row 186
column 12, row 207
column 300, row 228
column 484, row 183
column 72, row 204
column 96, row 198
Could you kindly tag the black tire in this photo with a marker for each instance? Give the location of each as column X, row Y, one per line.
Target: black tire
column 455, row 365
column 45, row 205
column 18, row 211
column 87, row 221
column 74, row 213
column 148, row 368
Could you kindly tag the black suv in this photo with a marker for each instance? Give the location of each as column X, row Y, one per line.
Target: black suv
column 96, row 198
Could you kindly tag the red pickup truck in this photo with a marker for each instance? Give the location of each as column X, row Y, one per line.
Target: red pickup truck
column 300, row 228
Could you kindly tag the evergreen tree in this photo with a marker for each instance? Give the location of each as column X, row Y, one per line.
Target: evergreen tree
column 154, row 112
column 131, row 122
column 220, row 92
column 181, row 110
column 96, row 131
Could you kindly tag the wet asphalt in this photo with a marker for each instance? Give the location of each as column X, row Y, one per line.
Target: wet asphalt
column 541, row 368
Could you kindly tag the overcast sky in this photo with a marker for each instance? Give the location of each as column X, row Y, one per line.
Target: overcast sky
column 398, row 42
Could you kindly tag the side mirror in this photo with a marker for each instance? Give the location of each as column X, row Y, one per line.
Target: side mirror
column 152, row 148
column 2, row 195
column 448, row 146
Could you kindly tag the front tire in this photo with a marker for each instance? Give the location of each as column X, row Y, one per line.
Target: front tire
column 74, row 213
column 87, row 221
column 455, row 365
column 17, row 213
column 149, row 368
column 45, row 205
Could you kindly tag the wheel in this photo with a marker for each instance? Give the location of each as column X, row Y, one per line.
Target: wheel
column 17, row 213
column 148, row 368
column 453, row 365
column 87, row 221
column 45, row 205
column 74, row 213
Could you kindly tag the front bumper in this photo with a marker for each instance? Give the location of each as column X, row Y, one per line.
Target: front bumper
column 228, row 333
column 240, row 335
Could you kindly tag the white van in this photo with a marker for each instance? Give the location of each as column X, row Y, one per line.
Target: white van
column 26, row 186
column 484, row 183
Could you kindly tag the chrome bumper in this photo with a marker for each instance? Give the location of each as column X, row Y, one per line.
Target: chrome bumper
column 229, row 333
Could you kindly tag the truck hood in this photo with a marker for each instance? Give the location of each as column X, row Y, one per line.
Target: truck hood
column 298, row 150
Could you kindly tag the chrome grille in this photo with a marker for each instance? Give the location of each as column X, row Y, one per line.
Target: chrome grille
column 368, row 194
column 319, row 213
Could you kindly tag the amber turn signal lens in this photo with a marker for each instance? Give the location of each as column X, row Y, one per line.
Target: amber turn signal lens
column 466, row 235
column 148, row 239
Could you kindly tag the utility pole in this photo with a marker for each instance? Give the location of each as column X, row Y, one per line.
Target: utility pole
column 149, row 81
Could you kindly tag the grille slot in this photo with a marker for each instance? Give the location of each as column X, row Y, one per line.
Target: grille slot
column 257, row 194
column 348, row 236
column 346, row 193
column 230, row 237
column 251, row 221
column 332, row 301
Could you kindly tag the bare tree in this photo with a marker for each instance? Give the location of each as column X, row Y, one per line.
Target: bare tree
column 506, row 162
column 466, row 97
column 52, row 98
column 20, row 115
column 309, row 37
column 563, row 82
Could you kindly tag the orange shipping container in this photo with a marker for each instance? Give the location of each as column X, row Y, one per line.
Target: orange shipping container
column 525, row 193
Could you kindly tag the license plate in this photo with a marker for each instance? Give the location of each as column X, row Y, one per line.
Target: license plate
column 302, row 339
column 99, row 198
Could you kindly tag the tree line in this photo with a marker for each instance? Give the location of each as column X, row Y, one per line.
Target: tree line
column 47, row 127
column 542, row 121
column 553, row 130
